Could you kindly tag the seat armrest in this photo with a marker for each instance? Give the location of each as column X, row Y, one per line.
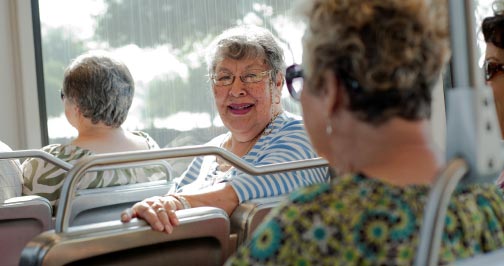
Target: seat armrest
column 249, row 214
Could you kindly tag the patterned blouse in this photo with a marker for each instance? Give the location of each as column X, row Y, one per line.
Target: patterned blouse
column 357, row 220
column 46, row 180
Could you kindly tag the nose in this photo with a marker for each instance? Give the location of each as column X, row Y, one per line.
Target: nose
column 238, row 88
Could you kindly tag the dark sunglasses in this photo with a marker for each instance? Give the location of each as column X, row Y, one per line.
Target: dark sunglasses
column 62, row 95
column 294, row 80
column 491, row 69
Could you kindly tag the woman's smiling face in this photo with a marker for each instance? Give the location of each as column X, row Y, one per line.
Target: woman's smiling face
column 244, row 107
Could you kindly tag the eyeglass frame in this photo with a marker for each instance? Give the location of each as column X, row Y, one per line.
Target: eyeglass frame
column 296, row 71
column 489, row 76
column 293, row 72
column 62, row 95
column 262, row 74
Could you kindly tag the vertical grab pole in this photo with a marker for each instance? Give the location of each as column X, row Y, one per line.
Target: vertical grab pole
column 473, row 131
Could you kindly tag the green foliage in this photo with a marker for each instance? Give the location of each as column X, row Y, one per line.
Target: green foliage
column 148, row 23
column 58, row 49
column 167, row 95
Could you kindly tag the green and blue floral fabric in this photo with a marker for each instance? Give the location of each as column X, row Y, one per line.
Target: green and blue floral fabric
column 357, row 220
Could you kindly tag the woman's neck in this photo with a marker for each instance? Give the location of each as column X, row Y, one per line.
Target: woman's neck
column 99, row 131
column 101, row 138
column 240, row 148
column 399, row 152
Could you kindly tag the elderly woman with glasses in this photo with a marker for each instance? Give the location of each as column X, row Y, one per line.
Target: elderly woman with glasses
column 97, row 94
column 246, row 68
column 493, row 32
column 365, row 88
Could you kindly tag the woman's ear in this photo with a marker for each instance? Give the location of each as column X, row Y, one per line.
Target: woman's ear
column 279, row 80
column 76, row 109
column 333, row 93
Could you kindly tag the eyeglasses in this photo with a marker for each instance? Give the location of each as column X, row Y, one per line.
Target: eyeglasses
column 252, row 76
column 294, row 80
column 491, row 69
column 62, row 95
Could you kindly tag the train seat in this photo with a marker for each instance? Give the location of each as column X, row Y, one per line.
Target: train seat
column 106, row 204
column 202, row 238
column 249, row 214
column 21, row 219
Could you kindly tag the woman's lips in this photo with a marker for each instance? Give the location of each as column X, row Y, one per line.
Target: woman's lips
column 240, row 109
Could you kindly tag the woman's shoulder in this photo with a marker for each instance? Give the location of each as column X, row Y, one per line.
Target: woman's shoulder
column 360, row 191
column 287, row 123
column 65, row 152
column 151, row 143
column 286, row 119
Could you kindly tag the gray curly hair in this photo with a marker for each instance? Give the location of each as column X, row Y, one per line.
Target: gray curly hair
column 101, row 87
column 243, row 42
column 388, row 53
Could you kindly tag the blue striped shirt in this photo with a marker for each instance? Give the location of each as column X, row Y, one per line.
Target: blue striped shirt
column 287, row 141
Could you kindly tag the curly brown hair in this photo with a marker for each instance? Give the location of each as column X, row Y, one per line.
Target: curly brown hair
column 388, row 53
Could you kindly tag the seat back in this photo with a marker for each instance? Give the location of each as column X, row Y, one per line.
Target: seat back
column 248, row 215
column 11, row 179
column 494, row 258
column 85, row 164
column 106, row 204
column 202, row 238
column 21, row 219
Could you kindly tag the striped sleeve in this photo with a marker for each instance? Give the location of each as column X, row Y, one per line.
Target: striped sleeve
column 191, row 174
column 290, row 143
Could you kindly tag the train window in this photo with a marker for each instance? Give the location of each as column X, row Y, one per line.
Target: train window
column 162, row 42
column 484, row 8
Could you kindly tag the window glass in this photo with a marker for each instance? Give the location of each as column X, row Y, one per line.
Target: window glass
column 484, row 8
column 163, row 44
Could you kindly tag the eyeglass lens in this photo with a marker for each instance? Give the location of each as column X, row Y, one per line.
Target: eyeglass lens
column 254, row 76
column 491, row 69
column 294, row 80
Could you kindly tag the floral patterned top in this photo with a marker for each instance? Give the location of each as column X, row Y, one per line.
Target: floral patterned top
column 46, row 180
column 357, row 220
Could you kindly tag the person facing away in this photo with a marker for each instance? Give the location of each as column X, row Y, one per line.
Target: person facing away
column 97, row 94
column 11, row 178
column 368, row 70
column 246, row 70
column 493, row 66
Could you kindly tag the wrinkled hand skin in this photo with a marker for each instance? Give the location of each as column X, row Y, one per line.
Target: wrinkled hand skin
column 151, row 210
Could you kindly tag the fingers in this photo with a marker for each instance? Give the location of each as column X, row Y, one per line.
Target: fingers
column 154, row 215
column 172, row 217
column 158, row 212
column 127, row 215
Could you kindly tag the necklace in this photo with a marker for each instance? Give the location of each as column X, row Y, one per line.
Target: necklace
column 223, row 165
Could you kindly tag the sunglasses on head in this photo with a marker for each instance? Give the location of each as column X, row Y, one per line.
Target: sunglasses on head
column 294, row 80
column 491, row 69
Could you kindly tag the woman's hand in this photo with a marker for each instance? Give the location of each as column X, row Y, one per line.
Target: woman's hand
column 158, row 211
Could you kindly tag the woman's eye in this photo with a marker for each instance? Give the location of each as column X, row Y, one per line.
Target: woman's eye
column 223, row 78
column 250, row 76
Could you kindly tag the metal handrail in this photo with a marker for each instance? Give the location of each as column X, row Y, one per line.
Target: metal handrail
column 37, row 154
column 436, row 206
column 66, row 197
column 67, row 166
